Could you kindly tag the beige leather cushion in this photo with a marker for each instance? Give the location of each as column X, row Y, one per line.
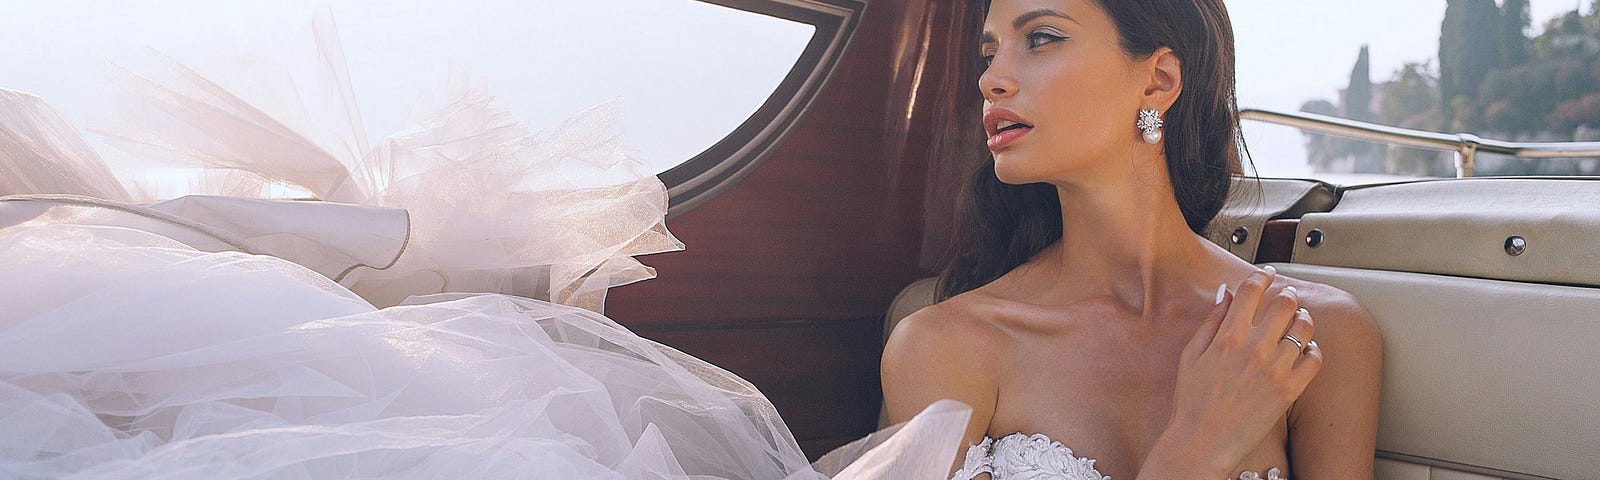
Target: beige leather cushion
column 1488, row 376
column 1254, row 202
column 1386, row 469
column 915, row 296
column 1460, row 227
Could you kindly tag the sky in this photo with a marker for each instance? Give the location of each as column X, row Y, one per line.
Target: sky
column 548, row 59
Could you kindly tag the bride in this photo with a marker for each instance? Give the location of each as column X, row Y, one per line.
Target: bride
column 1078, row 320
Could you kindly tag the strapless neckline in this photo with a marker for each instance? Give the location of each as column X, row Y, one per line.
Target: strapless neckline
column 1036, row 457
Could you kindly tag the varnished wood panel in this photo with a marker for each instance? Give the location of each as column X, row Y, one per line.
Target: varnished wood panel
column 1277, row 241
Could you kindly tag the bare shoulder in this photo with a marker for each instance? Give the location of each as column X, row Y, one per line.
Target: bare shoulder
column 943, row 351
column 1333, row 426
column 1339, row 319
column 953, row 327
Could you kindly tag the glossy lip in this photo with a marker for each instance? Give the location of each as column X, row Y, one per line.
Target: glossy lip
column 991, row 125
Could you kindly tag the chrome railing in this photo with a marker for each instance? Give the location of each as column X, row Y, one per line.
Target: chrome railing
column 1465, row 145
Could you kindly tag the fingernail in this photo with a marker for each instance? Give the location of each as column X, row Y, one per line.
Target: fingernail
column 1311, row 344
column 1271, row 270
column 1303, row 311
column 1290, row 289
column 1222, row 291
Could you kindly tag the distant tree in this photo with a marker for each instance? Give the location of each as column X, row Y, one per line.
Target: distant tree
column 1468, row 47
column 1573, row 113
column 1572, row 23
column 1358, row 96
column 1515, row 46
column 1572, row 80
column 1411, row 100
column 1516, row 101
column 1594, row 70
column 1319, row 148
column 1320, row 107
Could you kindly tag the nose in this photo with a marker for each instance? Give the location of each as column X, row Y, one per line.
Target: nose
column 997, row 81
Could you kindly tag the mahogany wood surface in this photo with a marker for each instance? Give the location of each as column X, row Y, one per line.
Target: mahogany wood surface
column 1277, row 241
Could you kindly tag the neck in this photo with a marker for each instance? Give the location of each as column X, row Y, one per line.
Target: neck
column 1128, row 240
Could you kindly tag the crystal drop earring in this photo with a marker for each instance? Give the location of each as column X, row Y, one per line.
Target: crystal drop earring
column 1150, row 122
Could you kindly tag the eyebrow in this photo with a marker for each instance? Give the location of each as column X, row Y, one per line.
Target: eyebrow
column 1022, row 21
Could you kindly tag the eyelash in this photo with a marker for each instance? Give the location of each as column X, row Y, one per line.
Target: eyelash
column 1035, row 40
column 1039, row 39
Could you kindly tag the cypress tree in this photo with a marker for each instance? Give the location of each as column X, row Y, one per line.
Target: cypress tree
column 1468, row 47
column 1358, row 96
column 1515, row 46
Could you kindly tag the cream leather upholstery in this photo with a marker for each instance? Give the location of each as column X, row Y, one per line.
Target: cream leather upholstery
column 1253, row 203
column 1490, row 359
column 915, row 296
column 1460, row 227
column 1481, row 375
column 918, row 294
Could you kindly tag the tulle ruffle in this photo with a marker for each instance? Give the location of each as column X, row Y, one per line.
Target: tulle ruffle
column 237, row 334
column 129, row 355
column 491, row 206
column 132, row 356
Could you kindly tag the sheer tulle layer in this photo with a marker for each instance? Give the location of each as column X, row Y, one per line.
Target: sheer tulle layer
column 492, row 206
column 125, row 354
column 135, row 357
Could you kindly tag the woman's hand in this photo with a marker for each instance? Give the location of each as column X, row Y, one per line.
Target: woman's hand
column 1236, row 378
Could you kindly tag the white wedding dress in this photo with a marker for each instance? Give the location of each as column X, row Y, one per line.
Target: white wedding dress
column 1037, row 457
column 434, row 316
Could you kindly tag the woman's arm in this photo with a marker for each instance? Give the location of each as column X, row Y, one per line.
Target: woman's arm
column 1333, row 427
column 939, row 353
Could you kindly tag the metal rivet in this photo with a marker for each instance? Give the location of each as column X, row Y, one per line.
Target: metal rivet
column 1240, row 235
column 1314, row 239
column 1516, row 245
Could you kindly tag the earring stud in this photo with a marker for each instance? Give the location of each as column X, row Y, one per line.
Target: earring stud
column 1150, row 122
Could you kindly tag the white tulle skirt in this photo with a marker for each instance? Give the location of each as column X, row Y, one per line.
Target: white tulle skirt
column 126, row 354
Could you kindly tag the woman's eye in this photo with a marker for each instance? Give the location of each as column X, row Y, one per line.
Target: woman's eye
column 987, row 59
column 1039, row 39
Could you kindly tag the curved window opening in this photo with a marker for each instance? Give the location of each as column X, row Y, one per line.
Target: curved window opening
column 719, row 167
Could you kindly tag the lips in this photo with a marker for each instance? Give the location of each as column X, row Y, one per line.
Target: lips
column 1004, row 127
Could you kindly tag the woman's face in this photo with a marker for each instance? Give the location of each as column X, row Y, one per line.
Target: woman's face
column 1056, row 67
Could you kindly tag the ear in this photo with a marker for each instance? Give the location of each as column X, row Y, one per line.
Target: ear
column 1166, row 79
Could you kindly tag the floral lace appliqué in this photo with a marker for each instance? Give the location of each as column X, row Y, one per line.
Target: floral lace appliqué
column 978, row 461
column 1037, row 457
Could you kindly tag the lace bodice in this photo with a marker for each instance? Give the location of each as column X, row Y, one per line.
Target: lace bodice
column 1037, row 457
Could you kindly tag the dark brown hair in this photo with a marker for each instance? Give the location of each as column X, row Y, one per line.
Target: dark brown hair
column 999, row 226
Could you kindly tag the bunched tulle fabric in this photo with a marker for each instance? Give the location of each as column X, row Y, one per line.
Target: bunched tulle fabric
column 129, row 355
column 432, row 312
